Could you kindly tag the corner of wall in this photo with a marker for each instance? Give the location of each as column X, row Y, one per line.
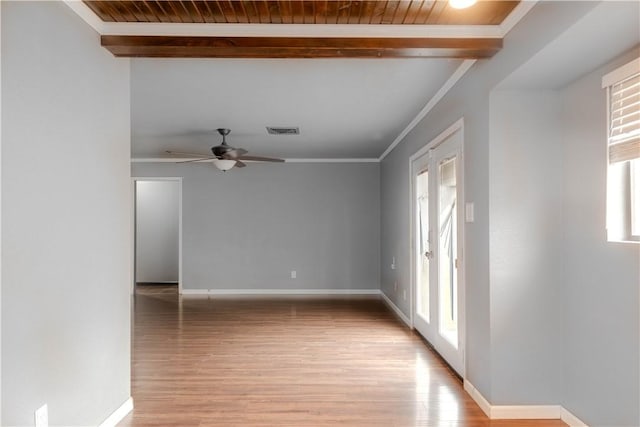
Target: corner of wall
column 0, row 213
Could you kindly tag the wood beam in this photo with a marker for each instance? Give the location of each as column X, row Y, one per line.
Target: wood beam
column 300, row 47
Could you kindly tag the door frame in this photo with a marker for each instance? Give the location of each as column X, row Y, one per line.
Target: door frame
column 134, row 180
column 457, row 126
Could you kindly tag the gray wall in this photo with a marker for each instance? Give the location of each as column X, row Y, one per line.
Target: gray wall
column 601, row 335
column 552, row 307
column 157, row 231
column 525, row 238
column 1, row 215
column 248, row 228
column 468, row 99
column 66, row 219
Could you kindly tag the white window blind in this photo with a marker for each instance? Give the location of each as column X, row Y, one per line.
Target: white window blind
column 623, row 152
column 624, row 115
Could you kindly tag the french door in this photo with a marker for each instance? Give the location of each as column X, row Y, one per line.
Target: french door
column 438, row 296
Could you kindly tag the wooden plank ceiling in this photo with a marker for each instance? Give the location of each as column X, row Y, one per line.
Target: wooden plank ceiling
column 303, row 12
column 407, row 12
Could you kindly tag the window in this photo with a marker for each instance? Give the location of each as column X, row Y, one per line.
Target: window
column 623, row 152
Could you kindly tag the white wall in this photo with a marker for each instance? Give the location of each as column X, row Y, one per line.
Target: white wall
column 157, row 231
column 66, row 219
column 248, row 228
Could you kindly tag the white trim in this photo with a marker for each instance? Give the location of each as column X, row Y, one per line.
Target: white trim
column 157, row 178
column 187, row 292
column 451, row 81
column 522, row 412
column 395, row 309
column 478, row 398
column 0, row 213
column 571, row 419
column 167, row 282
column 307, row 160
column 87, row 15
column 525, row 412
column 342, row 160
column 621, row 73
column 516, row 15
column 180, row 234
column 456, row 126
column 280, row 292
column 160, row 159
column 280, row 30
column 119, row 414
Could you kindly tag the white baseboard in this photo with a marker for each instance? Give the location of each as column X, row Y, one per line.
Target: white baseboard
column 395, row 309
column 522, row 412
column 478, row 397
column 118, row 414
column 195, row 292
column 525, row 412
column 571, row 419
column 163, row 282
column 281, row 292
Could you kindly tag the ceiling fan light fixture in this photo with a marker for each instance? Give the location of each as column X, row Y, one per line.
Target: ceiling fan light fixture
column 224, row 164
column 461, row 4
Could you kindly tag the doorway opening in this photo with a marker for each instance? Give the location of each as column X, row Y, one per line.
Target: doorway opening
column 157, row 235
column 437, row 273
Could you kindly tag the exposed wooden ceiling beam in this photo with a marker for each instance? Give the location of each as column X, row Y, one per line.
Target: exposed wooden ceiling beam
column 300, row 47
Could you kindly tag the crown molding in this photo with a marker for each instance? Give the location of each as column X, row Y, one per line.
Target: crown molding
column 516, row 15
column 451, row 81
column 295, row 160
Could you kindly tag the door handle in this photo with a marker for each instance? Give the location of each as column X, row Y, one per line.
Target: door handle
column 428, row 254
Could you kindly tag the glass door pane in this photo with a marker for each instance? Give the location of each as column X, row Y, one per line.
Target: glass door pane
column 447, row 250
column 423, row 251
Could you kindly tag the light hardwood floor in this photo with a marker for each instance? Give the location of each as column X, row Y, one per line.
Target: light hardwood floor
column 289, row 362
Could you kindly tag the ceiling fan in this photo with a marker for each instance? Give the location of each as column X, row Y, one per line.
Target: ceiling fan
column 225, row 156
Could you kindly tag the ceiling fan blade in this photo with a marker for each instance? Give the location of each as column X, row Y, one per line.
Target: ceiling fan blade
column 235, row 153
column 261, row 159
column 240, row 164
column 203, row 159
column 186, row 154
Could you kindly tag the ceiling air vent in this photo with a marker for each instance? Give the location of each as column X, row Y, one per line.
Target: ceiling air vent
column 283, row 131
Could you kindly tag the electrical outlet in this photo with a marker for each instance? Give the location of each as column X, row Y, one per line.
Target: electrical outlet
column 294, row 274
column 42, row 416
column 393, row 263
column 404, row 294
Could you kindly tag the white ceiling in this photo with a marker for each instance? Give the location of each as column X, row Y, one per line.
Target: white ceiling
column 345, row 108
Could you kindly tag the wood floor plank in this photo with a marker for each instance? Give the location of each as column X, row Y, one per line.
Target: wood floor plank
column 289, row 362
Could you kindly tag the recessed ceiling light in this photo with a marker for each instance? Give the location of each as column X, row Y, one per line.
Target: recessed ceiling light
column 461, row 4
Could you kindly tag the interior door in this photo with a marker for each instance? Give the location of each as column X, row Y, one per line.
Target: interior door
column 437, row 249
